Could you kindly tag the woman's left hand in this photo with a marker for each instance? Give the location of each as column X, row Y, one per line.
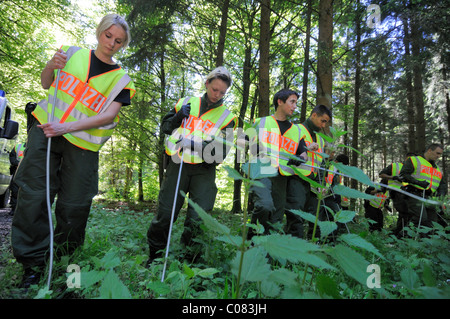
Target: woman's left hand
column 53, row 129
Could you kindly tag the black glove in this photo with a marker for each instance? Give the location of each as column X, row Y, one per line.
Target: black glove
column 296, row 161
column 423, row 184
column 183, row 112
column 397, row 178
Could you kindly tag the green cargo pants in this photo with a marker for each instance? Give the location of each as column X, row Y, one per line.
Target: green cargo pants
column 73, row 178
column 197, row 180
column 268, row 202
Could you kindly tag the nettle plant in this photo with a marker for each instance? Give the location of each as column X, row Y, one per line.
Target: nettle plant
column 283, row 266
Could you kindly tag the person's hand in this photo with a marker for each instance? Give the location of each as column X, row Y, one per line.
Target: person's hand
column 58, row 61
column 53, row 129
column 295, row 161
column 423, row 184
column 183, row 112
column 313, row 147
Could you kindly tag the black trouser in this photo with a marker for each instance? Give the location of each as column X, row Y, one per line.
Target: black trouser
column 73, row 178
column 197, row 180
column 376, row 215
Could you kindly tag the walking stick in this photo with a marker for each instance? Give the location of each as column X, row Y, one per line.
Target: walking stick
column 174, row 206
column 421, row 213
column 47, row 182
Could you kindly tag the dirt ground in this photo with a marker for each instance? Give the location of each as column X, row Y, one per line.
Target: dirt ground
column 5, row 226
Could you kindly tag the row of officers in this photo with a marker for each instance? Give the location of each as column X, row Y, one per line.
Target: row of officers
column 87, row 89
column 416, row 175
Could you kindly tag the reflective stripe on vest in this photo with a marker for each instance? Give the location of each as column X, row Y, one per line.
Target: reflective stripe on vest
column 274, row 143
column 396, row 168
column 313, row 159
column 424, row 171
column 379, row 200
column 198, row 129
column 79, row 98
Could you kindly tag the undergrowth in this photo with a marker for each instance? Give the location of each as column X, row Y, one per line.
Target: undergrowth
column 112, row 263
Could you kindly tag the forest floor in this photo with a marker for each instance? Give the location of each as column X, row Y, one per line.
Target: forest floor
column 5, row 226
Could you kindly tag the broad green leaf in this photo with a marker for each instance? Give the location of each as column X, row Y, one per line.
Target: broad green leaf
column 410, row 278
column 327, row 286
column 113, row 288
column 270, row 289
column 283, row 276
column 210, row 222
column 207, row 272
column 89, row 278
column 355, row 173
column 349, row 192
column 358, row 241
column 306, row 216
column 158, row 287
column 344, row 216
column 428, row 277
column 254, row 265
column 110, row 260
column 188, row 271
column 326, row 228
column 230, row 239
column 353, row 264
column 286, row 247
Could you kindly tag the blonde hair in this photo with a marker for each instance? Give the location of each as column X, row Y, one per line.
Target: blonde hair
column 114, row 19
column 220, row 73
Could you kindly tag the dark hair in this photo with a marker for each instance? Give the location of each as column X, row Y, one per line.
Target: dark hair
column 283, row 95
column 434, row 146
column 321, row 110
column 342, row 158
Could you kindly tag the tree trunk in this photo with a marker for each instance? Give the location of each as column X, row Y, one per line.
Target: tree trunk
column 264, row 46
column 325, row 53
column 237, row 201
column 409, row 88
column 162, row 79
column 416, row 42
column 222, row 33
column 306, row 63
column 354, row 183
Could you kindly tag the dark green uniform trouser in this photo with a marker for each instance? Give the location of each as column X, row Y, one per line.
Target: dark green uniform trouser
column 268, row 201
column 416, row 209
column 197, row 180
column 74, row 179
column 280, row 194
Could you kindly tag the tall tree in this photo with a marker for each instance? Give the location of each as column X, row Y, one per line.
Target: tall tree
column 222, row 33
column 306, row 62
column 325, row 54
column 355, row 135
column 264, row 61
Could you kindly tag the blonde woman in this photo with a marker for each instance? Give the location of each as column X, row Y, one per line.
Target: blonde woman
column 92, row 88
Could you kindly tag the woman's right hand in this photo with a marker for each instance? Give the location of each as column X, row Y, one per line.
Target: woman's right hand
column 58, row 60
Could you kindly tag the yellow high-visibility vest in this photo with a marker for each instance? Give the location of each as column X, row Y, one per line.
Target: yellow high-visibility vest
column 19, row 149
column 275, row 144
column 379, row 200
column 313, row 159
column 197, row 128
column 79, row 98
column 424, row 171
